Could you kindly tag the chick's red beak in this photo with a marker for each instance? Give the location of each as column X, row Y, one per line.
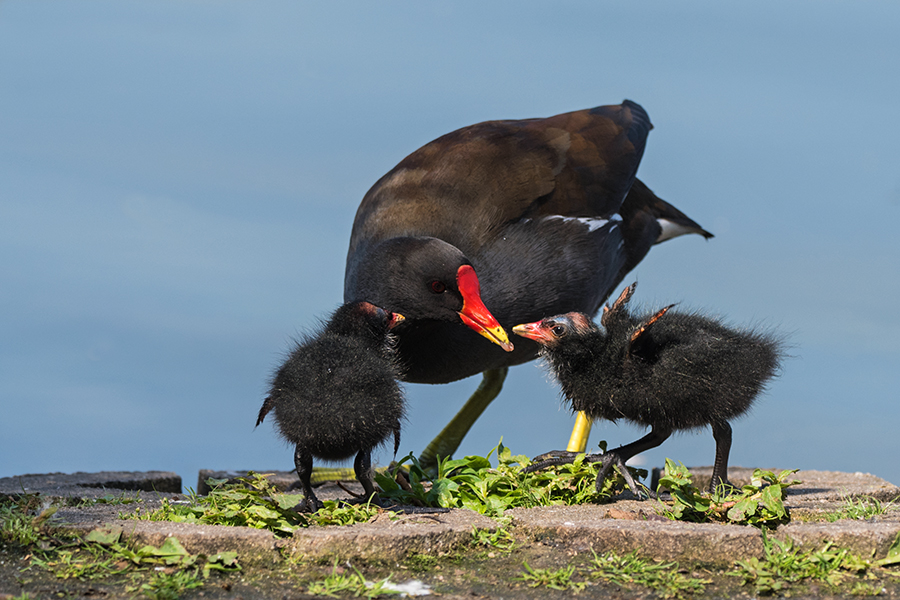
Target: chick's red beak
column 474, row 313
column 394, row 320
column 532, row 331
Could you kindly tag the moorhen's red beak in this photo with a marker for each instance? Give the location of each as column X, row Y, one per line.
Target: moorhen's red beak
column 474, row 313
column 532, row 331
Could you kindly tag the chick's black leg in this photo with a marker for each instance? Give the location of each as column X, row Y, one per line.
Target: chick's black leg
column 722, row 434
column 303, row 460
column 619, row 456
column 362, row 466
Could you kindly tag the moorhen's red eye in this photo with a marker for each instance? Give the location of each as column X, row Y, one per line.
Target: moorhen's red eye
column 438, row 287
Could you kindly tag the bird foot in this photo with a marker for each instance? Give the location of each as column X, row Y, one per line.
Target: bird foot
column 309, row 504
column 610, row 460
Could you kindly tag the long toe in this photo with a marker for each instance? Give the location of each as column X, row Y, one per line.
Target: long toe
column 565, row 454
column 612, row 459
column 549, row 459
column 308, row 505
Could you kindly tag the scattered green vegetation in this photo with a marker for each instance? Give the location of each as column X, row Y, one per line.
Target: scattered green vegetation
column 17, row 523
column 556, row 579
column 500, row 539
column 628, row 571
column 341, row 513
column 124, row 497
column 666, row 579
column 342, row 582
column 785, row 565
column 169, row 571
column 101, row 554
column 472, row 482
column 169, row 586
column 760, row 503
column 860, row 509
column 253, row 501
column 157, row 573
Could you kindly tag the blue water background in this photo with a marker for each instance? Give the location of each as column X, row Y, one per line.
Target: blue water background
column 178, row 181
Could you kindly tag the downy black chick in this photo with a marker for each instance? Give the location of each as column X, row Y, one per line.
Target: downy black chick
column 337, row 394
column 668, row 370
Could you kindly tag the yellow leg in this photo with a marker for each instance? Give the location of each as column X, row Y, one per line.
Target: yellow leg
column 449, row 439
column 580, row 432
column 322, row 474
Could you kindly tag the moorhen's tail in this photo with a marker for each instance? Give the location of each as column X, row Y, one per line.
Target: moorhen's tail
column 641, row 201
column 647, row 220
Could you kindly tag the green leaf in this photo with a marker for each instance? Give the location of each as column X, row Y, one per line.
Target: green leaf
column 742, row 510
column 893, row 554
column 771, row 498
column 105, row 536
column 171, row 547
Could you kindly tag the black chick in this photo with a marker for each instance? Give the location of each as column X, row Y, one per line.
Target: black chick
column 669, row 370
column 337, row 394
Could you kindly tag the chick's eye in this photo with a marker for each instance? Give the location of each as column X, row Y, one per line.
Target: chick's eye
column 438, row 287
column 558, row 330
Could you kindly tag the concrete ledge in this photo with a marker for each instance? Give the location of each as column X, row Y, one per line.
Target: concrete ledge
column 254, row 546
column 90, row 485
column 624, row 529
column 393, row 538
column 622, row 526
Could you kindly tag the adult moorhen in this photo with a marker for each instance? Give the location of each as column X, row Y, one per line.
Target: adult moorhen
column 337, row 394
column 547, row 212
column 668, row 370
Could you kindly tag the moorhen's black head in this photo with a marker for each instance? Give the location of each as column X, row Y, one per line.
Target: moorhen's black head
column 363, row 319
column 425, row 279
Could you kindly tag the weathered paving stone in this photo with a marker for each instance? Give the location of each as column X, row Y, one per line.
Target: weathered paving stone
column 254, row 546
column 623, row 525
column 618, row 528
column 393, row 537
column 90, row 485
column 629, row 525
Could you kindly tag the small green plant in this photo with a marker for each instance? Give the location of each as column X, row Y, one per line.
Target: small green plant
column 760, row 503
column 342, row 582
column 22, row 517
column 559, row 579
column 785, row 564
column 253, row 501
column 159, row 573
column 123, row 498
column 472, row 482
column 500, row 539
column 170, row 586
column 341, row 513
column 861, row 588
column 859, row 509
column 663, row 578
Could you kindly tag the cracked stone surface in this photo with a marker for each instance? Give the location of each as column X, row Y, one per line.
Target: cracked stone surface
column 622, row 525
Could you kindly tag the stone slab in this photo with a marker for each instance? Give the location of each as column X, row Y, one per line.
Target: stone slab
column 393, row 537
column 623, row 525
column 90, row 485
